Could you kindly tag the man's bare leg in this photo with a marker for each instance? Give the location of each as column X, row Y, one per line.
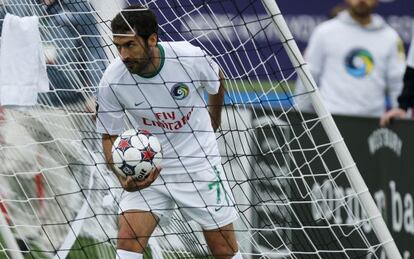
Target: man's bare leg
column 135, row 228
column 222, row 242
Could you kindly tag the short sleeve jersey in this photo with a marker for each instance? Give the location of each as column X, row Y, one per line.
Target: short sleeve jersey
column 170, row 104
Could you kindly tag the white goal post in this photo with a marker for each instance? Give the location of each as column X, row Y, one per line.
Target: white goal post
column 297, row 189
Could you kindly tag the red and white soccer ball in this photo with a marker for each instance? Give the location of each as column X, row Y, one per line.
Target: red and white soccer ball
column 136, row 153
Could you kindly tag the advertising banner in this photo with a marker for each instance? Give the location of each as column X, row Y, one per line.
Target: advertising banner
column 384, row 159
column 304, row 15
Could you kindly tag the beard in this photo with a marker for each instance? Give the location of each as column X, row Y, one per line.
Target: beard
column 137, row 66
column 362, row 10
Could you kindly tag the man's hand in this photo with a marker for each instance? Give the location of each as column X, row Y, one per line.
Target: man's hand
column 128, row 183
column 391, row 114
column 131, row 184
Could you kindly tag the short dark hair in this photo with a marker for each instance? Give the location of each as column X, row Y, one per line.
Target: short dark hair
column 141, row 19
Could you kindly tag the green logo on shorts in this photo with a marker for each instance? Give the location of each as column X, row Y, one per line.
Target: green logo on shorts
column 218, row 185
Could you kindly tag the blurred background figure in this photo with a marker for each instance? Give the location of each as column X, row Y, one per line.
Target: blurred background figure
column 406, row 98
column 357, row 60
column 74, row 54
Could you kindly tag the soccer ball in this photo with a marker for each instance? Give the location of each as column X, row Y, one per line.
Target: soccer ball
column 136, row 153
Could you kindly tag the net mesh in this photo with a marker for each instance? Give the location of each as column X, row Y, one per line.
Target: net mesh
column 59, row 200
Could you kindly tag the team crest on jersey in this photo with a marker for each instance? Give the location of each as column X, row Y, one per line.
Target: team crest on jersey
column 359, row 63
column 180, row 91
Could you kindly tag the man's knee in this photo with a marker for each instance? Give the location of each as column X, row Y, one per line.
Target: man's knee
column 135, row 228
column 222, row 242
column 129, row 240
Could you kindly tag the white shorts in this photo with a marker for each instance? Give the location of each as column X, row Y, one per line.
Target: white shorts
column 204, row 197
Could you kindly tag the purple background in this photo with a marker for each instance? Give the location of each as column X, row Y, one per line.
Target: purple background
column 398, row 13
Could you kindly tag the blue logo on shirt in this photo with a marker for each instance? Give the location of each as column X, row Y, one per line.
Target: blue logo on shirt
column 180, row 91
column 359, row 63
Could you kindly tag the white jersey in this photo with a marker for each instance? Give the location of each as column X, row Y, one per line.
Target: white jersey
column 170, row 104
column 355, row 66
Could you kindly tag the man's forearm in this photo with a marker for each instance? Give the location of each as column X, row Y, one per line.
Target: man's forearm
column 215, row 104
column 107, row 141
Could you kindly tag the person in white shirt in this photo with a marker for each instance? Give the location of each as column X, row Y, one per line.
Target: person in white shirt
column 356, row 60
column 159, row 87
column 406, row 98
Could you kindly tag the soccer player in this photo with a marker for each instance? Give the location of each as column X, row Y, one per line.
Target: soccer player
column 406, row 98
column 159, row 87
column 357, row 60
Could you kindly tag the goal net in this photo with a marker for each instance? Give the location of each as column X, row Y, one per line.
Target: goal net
column 297, row 190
